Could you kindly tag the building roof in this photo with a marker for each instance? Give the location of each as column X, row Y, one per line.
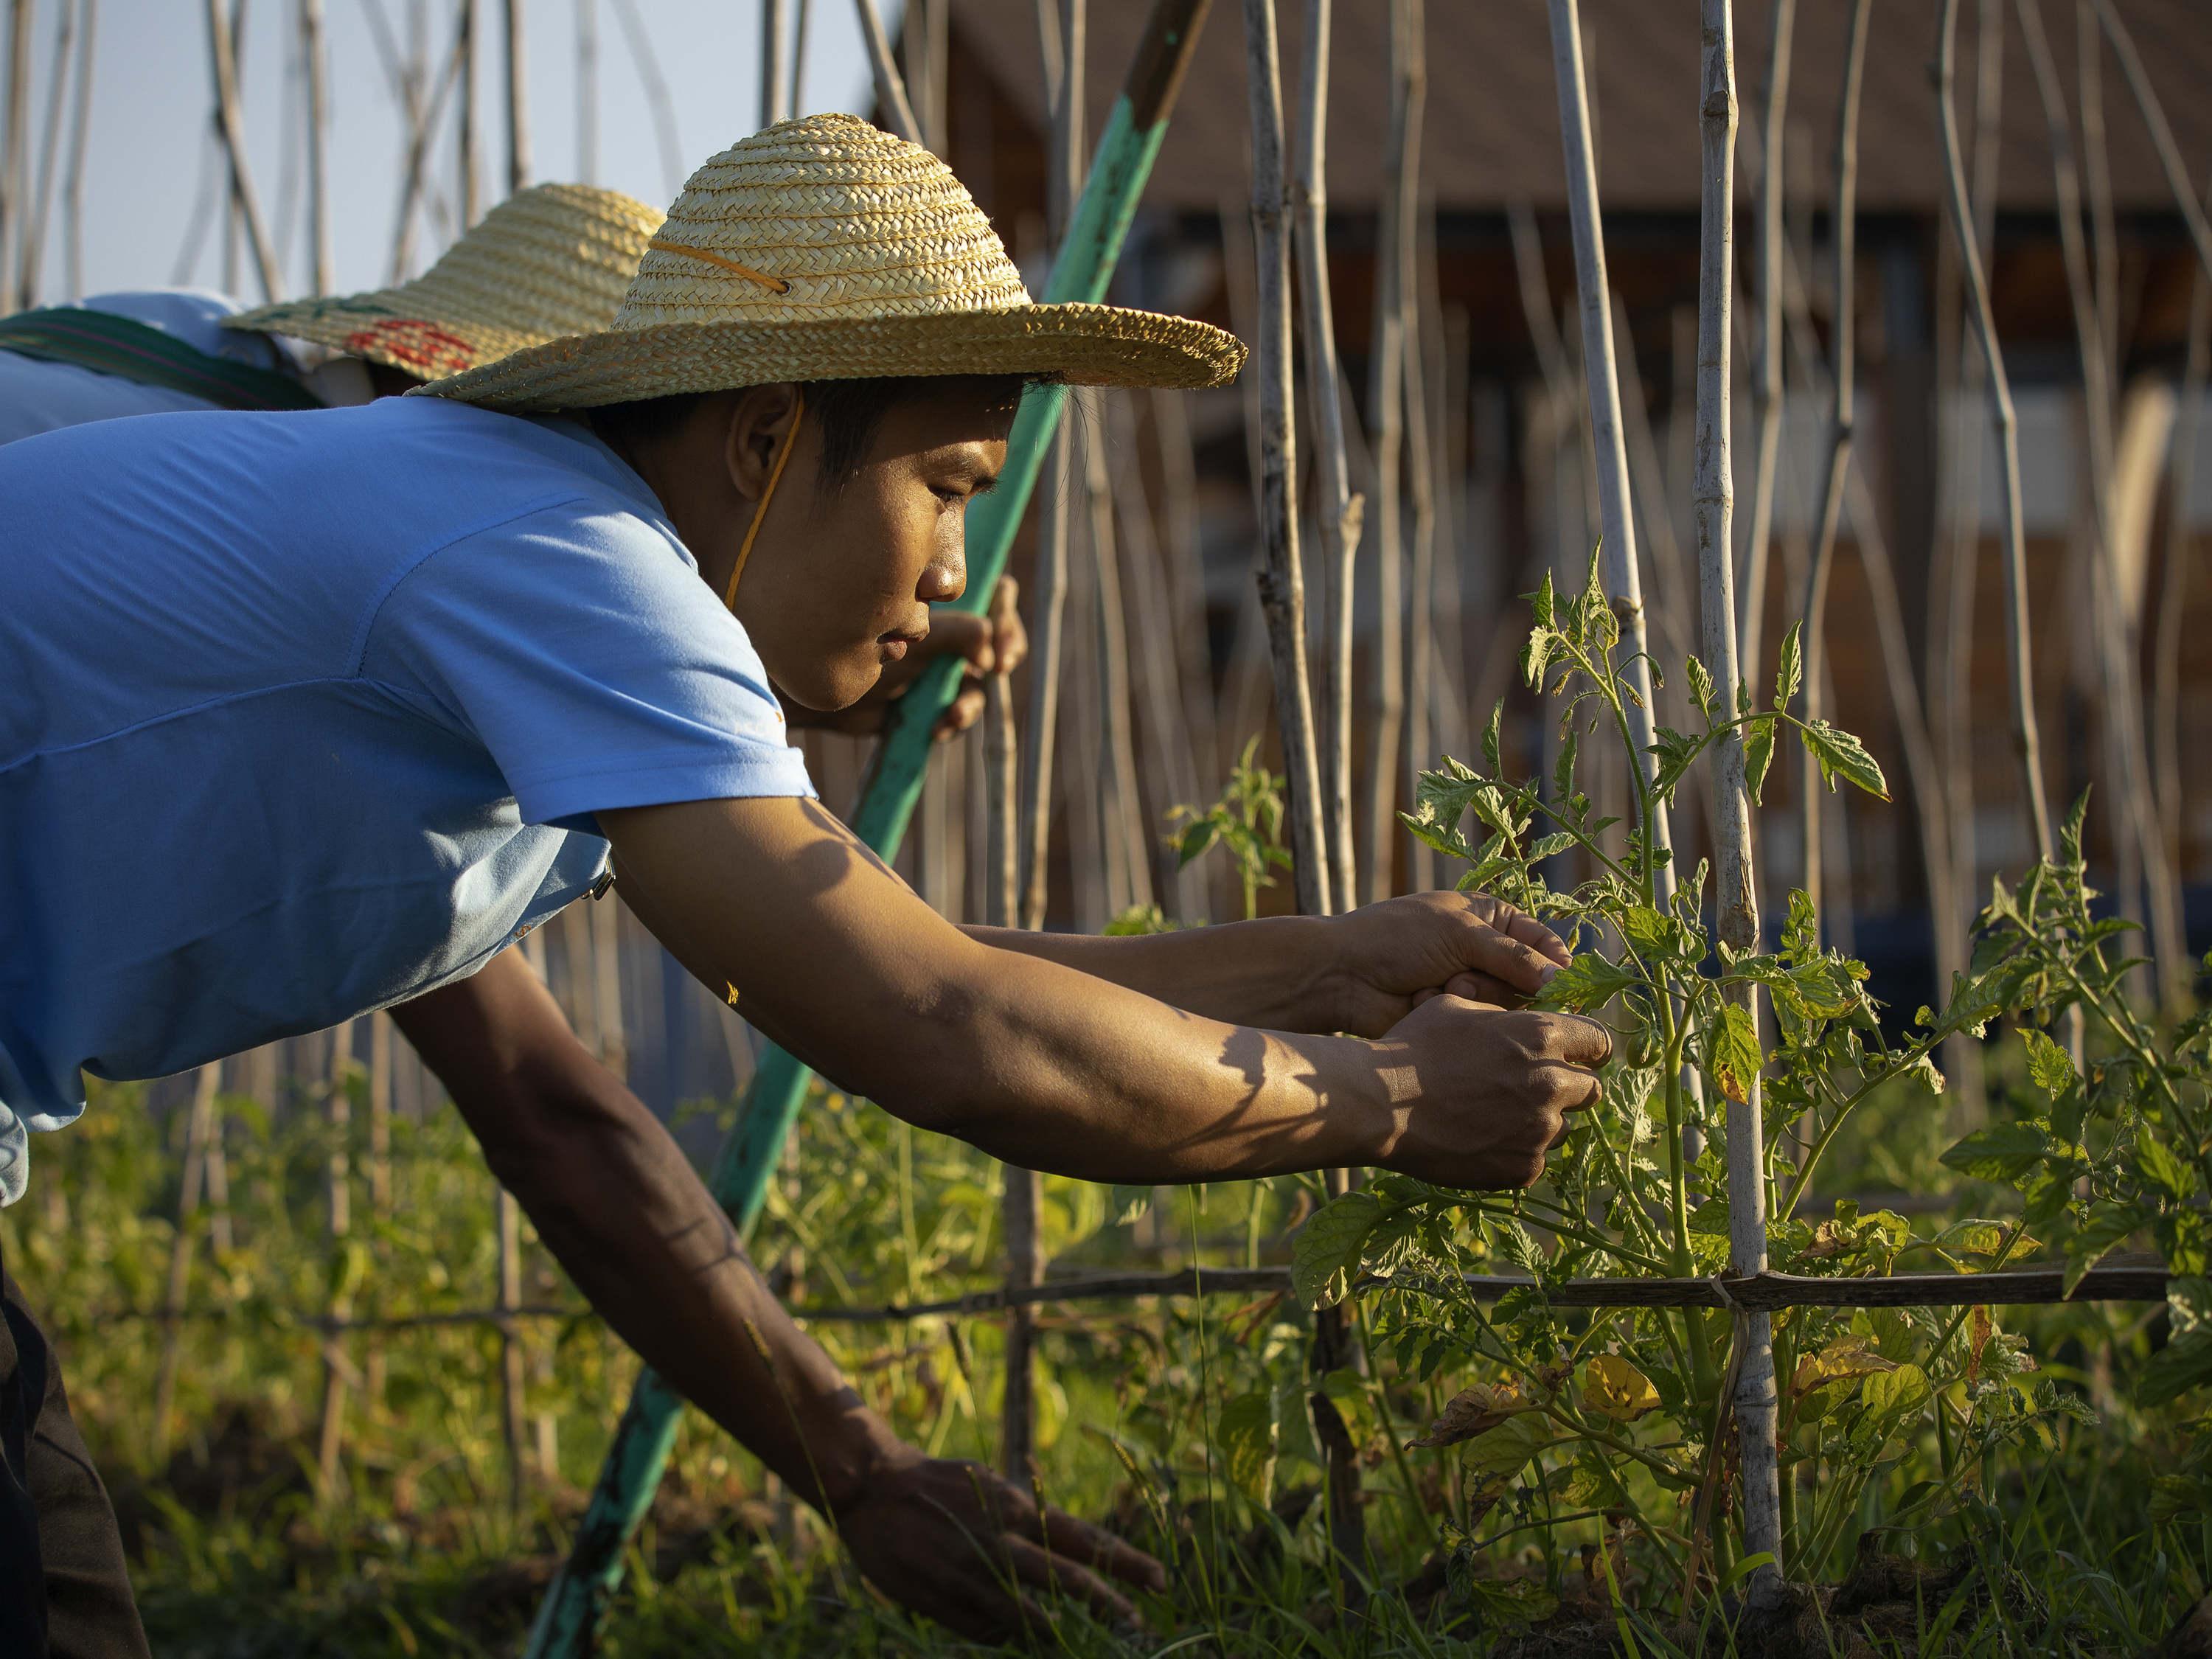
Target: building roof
column 1492, row 134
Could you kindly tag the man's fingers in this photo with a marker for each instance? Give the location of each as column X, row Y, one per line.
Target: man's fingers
column 1572, row 1089
column 1530, row 932
column 1043, row 1569
column 1503, row 956
column 963, row 712
column 1475, row 987
column 1577, row 1040
column 1010, row 639
column 1092, row 1545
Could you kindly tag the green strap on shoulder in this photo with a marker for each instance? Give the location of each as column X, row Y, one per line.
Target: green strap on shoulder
column 132, row 350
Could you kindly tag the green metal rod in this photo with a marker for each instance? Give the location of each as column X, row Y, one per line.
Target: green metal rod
column 639, row 1456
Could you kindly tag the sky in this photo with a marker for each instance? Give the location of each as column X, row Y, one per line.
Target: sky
column 150, row 187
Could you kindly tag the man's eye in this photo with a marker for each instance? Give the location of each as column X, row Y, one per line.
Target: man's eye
column 950, row 496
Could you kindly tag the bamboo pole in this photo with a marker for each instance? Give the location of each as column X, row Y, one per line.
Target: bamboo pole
column 2103, row 234
column 14, row 151
column 1766, row 389
column 1421, row 487
column 1622, row 576
column 1340, row 509
column 80, row 132
column 2136, row 817
column 513, row 1375
column 338, row 1371
column 230, row 123
column 32, row 264
column 1386, row 415
column 201, row 1129
column 1735, row 894
column 316, row 50
column 1127, row 843
column 1282, row 590
column 774, row 47
column 2161, row 132
column 421, row 126
column 468, row 199
column 378, row 1172
column 890, row 91
column 1841, row 411
column 2026, row 740
column 2173, row 590
column 587, row 91
column 1023, row 1187
column 517, row 101
column 802, row 15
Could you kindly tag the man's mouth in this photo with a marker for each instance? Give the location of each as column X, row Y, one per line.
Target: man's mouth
column 895, row 641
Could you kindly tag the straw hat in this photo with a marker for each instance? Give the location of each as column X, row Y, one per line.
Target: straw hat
column 825, row 249
column 551, row 260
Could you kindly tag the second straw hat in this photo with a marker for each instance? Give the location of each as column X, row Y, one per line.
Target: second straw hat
column 825, row 249
column 551, row 260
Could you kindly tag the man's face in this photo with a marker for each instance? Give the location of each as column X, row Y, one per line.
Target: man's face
column 840, row 580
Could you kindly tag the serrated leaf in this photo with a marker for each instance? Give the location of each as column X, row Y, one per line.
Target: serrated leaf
column 1550, row 846
column 1844, row 1358
column 1614, row 1389
column 1791, row 673
column 1892, row 1397
column 1702, row 692
column 2156, row 1164
column 1736, row 1053
column 2104, row 1229
column 1125, row 1204
column 2003, row 1151
column 1473, row 1411
column 1541, row 603
column 1758, row 756
column 1588, row 982
column 2048, row 1066
column 2179, row 1366
column 1500, row 1452
column 1247, row 1435
column 1563, row 770
column 1327, row 1253
column 1840, row 755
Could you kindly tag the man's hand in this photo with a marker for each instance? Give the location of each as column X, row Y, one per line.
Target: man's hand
column 1387, row 959
column 986, row 644
column 969, row 1549
column 1484, row 1092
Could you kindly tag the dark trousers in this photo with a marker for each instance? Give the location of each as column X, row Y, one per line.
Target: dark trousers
column 64, row 1591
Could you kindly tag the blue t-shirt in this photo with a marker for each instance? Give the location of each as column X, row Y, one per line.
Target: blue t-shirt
column 303, row 714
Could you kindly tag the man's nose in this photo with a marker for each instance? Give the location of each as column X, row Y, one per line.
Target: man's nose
column 946, row 579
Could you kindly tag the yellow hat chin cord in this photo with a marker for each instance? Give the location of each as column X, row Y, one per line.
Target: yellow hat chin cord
column 760, row 511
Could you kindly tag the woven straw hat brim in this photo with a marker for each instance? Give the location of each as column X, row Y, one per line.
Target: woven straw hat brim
column 1080, row 344
column 389, row 326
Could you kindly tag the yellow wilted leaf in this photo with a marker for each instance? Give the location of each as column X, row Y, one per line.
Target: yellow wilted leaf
column 1845, row 1356
column 1979, row 1327
column 1613, row 1388
column 1472, row 1412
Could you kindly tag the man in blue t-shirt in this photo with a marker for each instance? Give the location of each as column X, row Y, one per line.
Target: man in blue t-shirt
column 305, row 714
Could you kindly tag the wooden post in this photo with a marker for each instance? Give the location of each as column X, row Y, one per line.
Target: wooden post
column 518, row 101
column 2025, row 738
column 1338, row 510
column 230, row 123
column 1735, row 903
column 1620, row 566
column 1766, row 394
column 316, row 50
column 1386, row 411
column 890, row 91
column 1843, row 368
column 201, row 1128
column 775, row 46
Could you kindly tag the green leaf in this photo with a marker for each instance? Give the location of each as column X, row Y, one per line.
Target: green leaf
column 1758, row 756
column 1125, row 1204
column 2156, row 1164
column 1550, row 847
column 1248, row 1434
column 1588, row 981
column 2003, row 1151
column 2106, row 1227
column 2048, row 1066
column 1893, row 1397
column 1791, row 675
column 1501, row 1452
column 2181, row 1365
column 1327, row 1254
column 1540, row 602
column 1195, row 840
column 1701, row 688
column 1490, row 744
column 1801, row 928
column 1562, row 769
column 1736, row 1053
column 2188, row 1303
column 1842, row 754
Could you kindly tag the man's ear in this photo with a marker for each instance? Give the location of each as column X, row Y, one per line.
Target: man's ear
column 760, row 419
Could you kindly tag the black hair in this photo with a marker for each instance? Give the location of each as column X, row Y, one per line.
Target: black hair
column 846, row 414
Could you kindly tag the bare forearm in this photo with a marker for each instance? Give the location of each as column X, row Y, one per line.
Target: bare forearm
column 1275, row 973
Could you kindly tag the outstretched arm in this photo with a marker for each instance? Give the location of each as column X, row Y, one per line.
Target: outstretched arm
column 622, row 1210
column 774, row 902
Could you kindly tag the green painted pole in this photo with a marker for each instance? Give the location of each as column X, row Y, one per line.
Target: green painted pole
column 632, row 1472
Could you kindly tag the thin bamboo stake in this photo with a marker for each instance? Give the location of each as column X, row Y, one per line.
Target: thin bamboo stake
column 80, row 132
column 775, row 45
column 2161, row 132
column 14, row 151
column 802, row 14
column 2173, row 590
column 378, row 1170
column 230, row 122
column 1024, row 1188
column 654, row 86
column 1282, row 590
column 587, row 91
column 2136, row 821
column 1622, row 574
column 33, row 263
column 1735, row 895
column 1127, row 847
column 606, row 982
column 316, row 50
column 1421, row 486
column 1844, row 372
column 2025, row 739
column 1338, row 508
column 512, row 1376
column 422, row 126
column 468, row 198
column 518, row 101
column 1386, row 413
column 200, row 1129
column 890, row 91
column 2103, row 234
column 1767, row 391
column 330, row 1434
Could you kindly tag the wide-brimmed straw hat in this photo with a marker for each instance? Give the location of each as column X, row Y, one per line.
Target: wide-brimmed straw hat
column 825, row 249
column 549, row 261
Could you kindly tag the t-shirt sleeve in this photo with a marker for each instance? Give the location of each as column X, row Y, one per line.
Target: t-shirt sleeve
column 579, row 646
